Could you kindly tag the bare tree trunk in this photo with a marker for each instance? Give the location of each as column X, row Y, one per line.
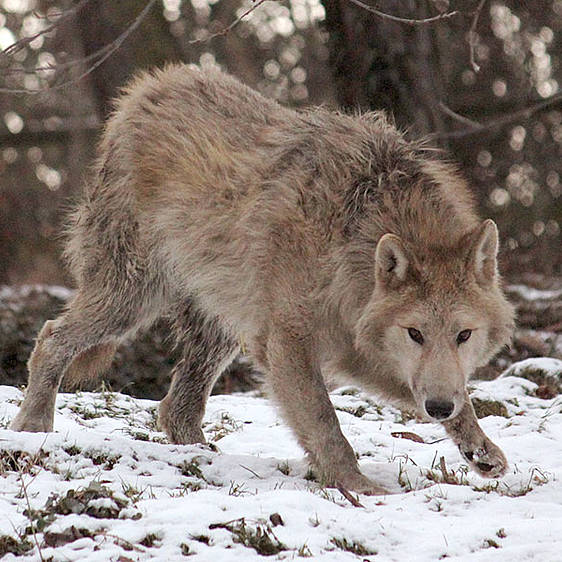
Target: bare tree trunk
column 382, row 64
column 152, row 44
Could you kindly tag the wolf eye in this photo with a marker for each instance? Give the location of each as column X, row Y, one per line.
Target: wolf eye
column 416, row 335
column 463, row 336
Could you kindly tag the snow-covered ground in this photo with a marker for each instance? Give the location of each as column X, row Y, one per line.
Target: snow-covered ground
column 136, row 497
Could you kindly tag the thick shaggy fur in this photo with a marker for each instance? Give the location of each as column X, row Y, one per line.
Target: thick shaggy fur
column 319, row 239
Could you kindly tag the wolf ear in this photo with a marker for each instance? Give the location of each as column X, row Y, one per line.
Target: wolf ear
column 483, row 253
column 391, row 262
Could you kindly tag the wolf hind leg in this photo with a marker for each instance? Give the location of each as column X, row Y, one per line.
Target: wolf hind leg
column 207, row 349
column 88, row 333
column 90, row 364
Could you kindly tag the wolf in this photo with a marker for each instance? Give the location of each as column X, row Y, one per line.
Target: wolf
column 328, row 243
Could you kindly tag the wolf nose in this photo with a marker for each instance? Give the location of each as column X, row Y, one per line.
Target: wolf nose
column 439, row 409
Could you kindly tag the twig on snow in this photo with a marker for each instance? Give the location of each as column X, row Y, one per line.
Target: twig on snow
column 347, row 495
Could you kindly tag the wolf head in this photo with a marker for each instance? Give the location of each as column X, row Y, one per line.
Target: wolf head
column 436, row 314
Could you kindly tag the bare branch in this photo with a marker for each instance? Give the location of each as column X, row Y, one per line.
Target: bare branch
column 59, row 66
column 441, row 5
column 506, row 119
column 408, row 21
column 465, row 120
column 229, row 27
column 258, row 3
column 472, row 36
column 22, row 43
column 37, row 131
column 101, row 55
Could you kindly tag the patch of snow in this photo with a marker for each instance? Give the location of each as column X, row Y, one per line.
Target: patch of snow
column 7, row 292
column 549, row 365
column 57, row 291
column 193, row 499
column 531, row 294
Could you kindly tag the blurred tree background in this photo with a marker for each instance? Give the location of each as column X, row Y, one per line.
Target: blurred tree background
column 482, row 77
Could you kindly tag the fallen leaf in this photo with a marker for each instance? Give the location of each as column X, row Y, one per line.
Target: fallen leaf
column 407, row 435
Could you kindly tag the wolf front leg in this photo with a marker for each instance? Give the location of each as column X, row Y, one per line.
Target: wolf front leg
column 299, row 388
column 485, row 457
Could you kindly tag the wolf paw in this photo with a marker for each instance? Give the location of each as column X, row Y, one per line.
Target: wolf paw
column 32, row 424
column 357, row 482
column 180, row 435
column 487, row 460
column 180, row 429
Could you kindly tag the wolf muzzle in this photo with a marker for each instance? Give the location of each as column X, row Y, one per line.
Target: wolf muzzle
column 439, row 409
